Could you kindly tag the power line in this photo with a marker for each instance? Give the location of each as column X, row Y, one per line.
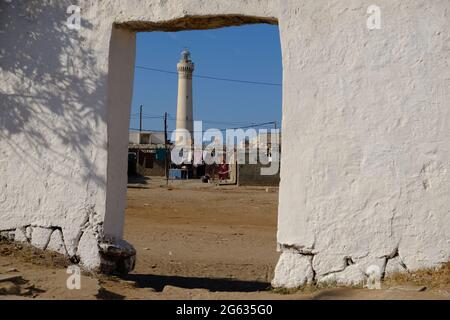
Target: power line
column 213, row 78
column 153, row 116
column 226, row 123
column 256, row 125
column 202, row 120
column 146, row 117
column 224, row 129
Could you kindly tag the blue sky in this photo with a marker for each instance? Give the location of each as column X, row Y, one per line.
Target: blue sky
column 249, row 52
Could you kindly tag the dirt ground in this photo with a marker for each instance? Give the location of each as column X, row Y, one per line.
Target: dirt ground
column 193, row 241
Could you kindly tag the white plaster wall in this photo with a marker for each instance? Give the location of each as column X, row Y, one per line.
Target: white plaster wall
column 134, row 137
column 64, row 117
column 120, row 85
column 53, row 146
column 366, row 131
column 364, row 172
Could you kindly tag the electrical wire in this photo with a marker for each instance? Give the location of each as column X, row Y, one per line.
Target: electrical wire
column 213, row 78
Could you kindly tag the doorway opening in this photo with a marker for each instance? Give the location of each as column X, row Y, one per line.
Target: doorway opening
column 208, row 221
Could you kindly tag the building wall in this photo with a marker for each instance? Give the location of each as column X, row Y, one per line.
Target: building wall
column 250, row 175
column 148, row 165
column 366, row 127
column 158, row 170
column 146, row 137
column 157, row 138
column 134, row 137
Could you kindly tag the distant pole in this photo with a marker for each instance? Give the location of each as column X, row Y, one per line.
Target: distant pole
column 275, row 125
column 166, row 167
column 140, row 118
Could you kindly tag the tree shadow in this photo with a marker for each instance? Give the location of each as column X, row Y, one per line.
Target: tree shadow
column 158, row 282
column 52, row 98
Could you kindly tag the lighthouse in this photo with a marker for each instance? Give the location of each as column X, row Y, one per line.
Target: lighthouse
column 185, row 121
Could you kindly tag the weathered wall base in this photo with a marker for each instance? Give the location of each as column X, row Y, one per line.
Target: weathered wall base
column 297, row 267
column 92, row 252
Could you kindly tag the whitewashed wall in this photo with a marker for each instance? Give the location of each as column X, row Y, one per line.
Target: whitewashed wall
column 366, row 128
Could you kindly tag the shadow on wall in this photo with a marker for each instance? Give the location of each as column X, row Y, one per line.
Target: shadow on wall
column 51, row 93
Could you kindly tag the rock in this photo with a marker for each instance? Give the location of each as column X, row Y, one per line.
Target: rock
column 117, row 257
column 9, row 288
column 40, row 237
column 88, row 251
column 293, row 270
column 29, row 286
column 72, row 238
column 6, row 278
column 170, row 290
column 8, row 235
column 56, row 243
column 394, row 265
column 20, row 235
column 129, row 283
column 350, row 276
column 25, row 292
column 28, row 232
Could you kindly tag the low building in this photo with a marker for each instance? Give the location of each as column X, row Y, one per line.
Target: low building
column 258, row 174
column 149, row 153
column 146, row 137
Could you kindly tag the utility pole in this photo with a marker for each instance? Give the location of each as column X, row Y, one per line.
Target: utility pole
column 140, row 130
column 140, row 118
column 166, row 158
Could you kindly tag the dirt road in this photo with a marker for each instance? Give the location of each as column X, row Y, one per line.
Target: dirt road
column 193, row 230
column 193, row 241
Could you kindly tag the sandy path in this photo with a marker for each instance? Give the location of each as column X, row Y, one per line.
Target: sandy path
column 201, row 231
column 194, row 241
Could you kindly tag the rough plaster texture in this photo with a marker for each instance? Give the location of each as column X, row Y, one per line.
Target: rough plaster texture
column 293, row 270
column 56, row 243
column 366, row 128
column 40, row 237
column 367, row 125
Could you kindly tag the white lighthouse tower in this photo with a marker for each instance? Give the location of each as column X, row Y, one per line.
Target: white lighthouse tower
column 185, row 121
